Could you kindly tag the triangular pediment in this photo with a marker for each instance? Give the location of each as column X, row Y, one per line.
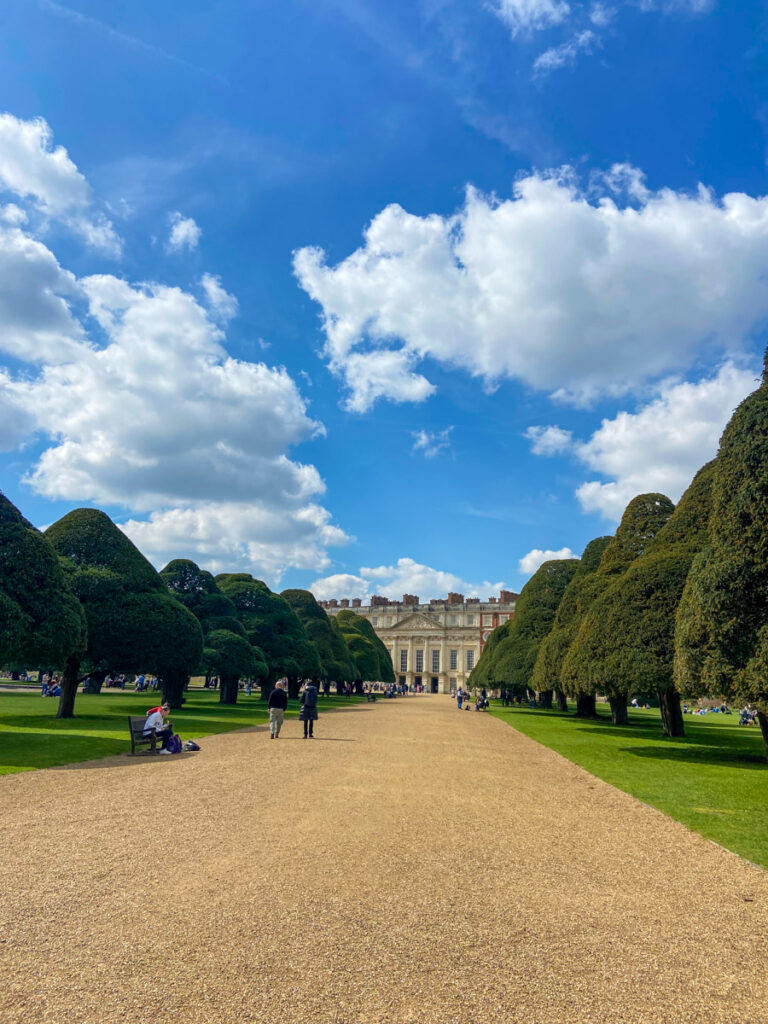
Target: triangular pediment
column 418, row 621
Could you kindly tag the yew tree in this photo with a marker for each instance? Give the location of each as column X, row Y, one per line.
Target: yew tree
column 554, row 647
column 371, row 658
column 595, row 663
column 722, row 622
column 41, row 621
column 511, row 659
column 134, row 624
column 335, row 660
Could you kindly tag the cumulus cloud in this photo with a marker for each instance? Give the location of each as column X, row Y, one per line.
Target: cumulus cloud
column 221, row 304
column 35, row 171
column 530, row 15
column 529, row 563
column 431, row 443
column 662, row 445
column 184, row 233
column 577, row 291
column 147, row 412
column 566, row 53
column 549, row 440
column 406, row 576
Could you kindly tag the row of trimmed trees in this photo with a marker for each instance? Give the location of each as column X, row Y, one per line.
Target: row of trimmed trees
column 674, row 604
column 82, row 599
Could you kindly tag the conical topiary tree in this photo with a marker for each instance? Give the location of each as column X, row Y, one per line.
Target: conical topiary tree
column 511, row 659
column 134, row 624
column 371, row 657
column 227, row 652
column 273, row 626
column 594, row 663
column 638, row 610
column 335, row 661
column 722, row 622
column 554, row 647
column 41, row 622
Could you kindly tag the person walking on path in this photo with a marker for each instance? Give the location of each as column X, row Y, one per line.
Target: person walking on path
column 278, row 702
column 308, row 713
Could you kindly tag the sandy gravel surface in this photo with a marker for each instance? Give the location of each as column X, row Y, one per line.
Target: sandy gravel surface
column 411, row 864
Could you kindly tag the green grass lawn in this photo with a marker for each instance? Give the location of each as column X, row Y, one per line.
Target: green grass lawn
column 32, row 737
column 714, row 779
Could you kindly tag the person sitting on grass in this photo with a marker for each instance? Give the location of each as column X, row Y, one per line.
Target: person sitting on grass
column 156, row 719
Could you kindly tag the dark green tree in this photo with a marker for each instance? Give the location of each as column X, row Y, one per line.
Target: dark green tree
column 134, row 624
column 594, row 663
column 272, row 626
column 335, row 661
column 227, row 652
column 512, row 657
column 41, row 621
column 372, row 660
column 722, row 622
column 577, row 597
column 638, row 610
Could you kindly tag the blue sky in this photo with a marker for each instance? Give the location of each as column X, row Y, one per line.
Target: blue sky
column 375, row 297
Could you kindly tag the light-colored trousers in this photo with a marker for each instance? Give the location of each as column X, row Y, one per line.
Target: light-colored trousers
column 276, row 716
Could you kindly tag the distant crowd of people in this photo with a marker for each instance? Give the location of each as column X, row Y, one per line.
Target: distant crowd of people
column 463, row 700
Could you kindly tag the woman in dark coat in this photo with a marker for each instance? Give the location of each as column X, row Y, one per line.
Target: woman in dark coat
column 308, row 712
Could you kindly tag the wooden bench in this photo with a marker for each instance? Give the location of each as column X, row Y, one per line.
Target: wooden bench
column 138, row 739
column 371, row 696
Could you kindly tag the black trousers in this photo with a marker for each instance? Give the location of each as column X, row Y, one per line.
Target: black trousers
column 308, row 724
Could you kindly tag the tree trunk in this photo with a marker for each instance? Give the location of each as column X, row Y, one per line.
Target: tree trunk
column 228, row 689
column 358, row 686
column 619, row 709
column 586, row 706
column 544, row 698
column 561, row 700
column 339, row 687
column 266, row 688
column 69, row 688
column 671, row 713
column 173, row 688
column 96, row 681
column 15, row 676
column 293, row 687
column 762, row 719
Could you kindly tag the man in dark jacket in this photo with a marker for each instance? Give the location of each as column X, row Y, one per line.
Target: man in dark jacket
column 278, row 702
column 308, row 711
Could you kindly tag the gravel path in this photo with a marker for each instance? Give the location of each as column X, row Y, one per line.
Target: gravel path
column 410, row 864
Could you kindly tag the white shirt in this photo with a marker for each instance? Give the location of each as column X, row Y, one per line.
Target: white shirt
column 154, row 721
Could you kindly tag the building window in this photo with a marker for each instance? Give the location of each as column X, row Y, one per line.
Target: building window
column 375, row 621
column 435, row 661
column 470, row 660
column 453, row 682
column 403, row 661
column 419, row 661
column 470, row 620
column 454, row 660
column 487, row 620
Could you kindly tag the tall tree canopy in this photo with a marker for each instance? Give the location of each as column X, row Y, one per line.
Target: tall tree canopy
column 593, row 663
column 273, row 626
column 134, row 624
column 722, row 623
column 554, row 647
column 227, row 651
column 335, row 660
column 372, row 660
column 638, row 610
column 41, row 621
column 510, row 660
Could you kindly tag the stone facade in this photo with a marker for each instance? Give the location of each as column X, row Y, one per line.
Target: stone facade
column 436, row 644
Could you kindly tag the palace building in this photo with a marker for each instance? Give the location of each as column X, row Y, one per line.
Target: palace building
column 434, row 645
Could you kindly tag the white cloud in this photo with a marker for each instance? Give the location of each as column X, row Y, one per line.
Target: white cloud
column 530, row 15
column 184, row 233
column 549, row 440
column 405, row 577
column 151, row 414
column 662, row 445
column 221, row 304
column 33, row 170
column 529, row 563
column 580, row 293
column 431, row 443
column 566, row 53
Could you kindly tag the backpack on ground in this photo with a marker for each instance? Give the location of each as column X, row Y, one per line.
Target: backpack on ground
column 191, row 745
column 174, row 744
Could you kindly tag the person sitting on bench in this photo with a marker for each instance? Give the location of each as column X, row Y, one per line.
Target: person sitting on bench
column 156, row 719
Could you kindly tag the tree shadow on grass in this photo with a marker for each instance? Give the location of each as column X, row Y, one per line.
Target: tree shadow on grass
column 716, row 757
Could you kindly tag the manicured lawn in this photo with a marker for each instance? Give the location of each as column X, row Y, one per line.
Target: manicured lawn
column 32, row 737
column 714, row 780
